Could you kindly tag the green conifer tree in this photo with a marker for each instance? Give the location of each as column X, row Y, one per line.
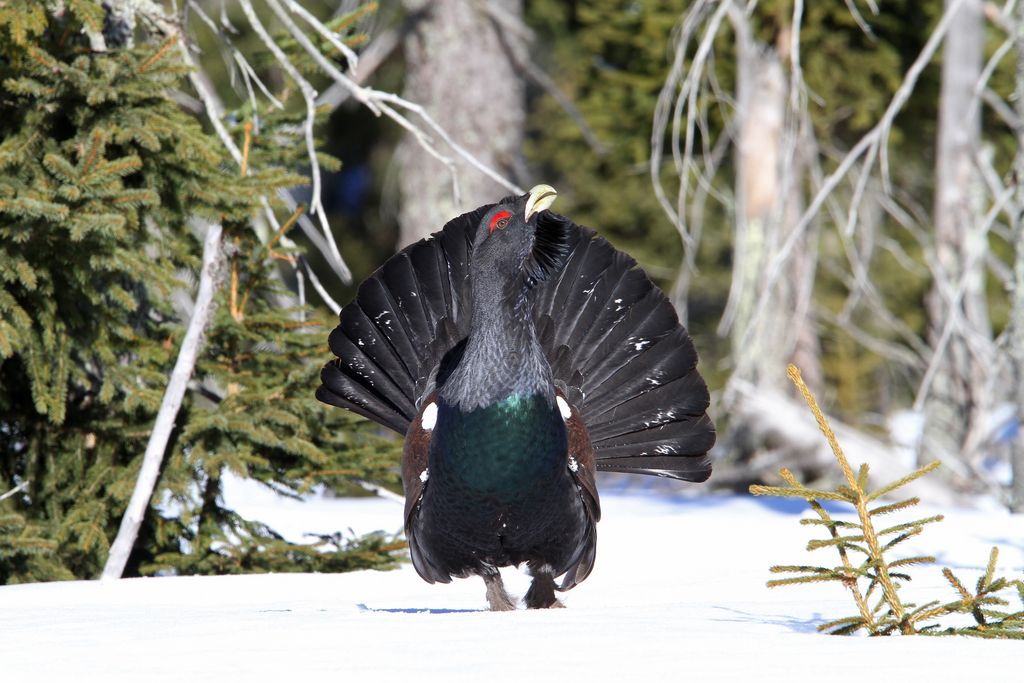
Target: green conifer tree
column 102, row 177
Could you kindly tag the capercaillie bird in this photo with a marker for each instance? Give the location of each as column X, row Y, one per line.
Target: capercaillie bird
column 518, row 353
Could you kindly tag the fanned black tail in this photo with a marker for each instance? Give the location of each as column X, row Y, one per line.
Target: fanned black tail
column 613, row 340
column 406, row 316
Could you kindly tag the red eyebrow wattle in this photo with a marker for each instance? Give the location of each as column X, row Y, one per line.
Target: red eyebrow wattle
column 497, row 217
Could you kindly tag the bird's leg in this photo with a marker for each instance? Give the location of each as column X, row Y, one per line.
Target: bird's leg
column 498, row 599
column 542, row 591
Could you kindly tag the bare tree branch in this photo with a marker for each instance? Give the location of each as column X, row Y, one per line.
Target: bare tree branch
column 380, row 103
column 956, row 321
column 872, row 146
column 859, row 18
column 173, row 396
column 679, row 92
column 308, row 94
column 332, row 38
column 379, row 49
column 15, row 491
column 521, row 58
column 328, row 299
column 215, row 114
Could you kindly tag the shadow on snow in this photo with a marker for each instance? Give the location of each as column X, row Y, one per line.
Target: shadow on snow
column 416, row 610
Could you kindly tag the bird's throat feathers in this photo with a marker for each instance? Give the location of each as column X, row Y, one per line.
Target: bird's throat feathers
column 502, row 356
column 502, row 359
column 551, row 248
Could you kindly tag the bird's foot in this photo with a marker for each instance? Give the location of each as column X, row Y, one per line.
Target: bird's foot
column 497, row 597
column 555, row 604
column 542, row 591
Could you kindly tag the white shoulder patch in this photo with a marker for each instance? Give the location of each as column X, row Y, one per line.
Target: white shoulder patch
column 563, row 408
column 429, row 418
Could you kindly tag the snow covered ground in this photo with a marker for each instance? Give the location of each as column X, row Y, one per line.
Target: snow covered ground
column 677, row 594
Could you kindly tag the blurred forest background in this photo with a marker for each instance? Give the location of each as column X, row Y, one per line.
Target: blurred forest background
column 829, row 183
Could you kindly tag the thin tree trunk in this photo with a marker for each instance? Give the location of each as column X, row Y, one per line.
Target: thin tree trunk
column 173, row 396
column 459, row 68
column 768, row 329
column 958, row 393
column 1015, row 333
column 1015, row 339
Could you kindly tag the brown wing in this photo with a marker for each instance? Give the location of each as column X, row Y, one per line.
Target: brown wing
column 583, row 467
column 582, row 453
column 414, row 478
column 414, row 461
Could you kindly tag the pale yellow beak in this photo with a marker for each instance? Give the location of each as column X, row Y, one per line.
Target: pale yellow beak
column 541, row 197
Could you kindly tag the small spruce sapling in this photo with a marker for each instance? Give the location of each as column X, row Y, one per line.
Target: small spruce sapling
column 865, row 556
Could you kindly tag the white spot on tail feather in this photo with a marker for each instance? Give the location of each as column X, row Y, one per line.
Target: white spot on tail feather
column 425, row 474
column 429, row 418
column 563, row 408
column 573, row 465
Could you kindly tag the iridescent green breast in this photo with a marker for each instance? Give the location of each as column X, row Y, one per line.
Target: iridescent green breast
column 506, row 447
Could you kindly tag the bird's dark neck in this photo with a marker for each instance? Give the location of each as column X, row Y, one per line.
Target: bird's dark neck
column 503, row 357
column 498, row 429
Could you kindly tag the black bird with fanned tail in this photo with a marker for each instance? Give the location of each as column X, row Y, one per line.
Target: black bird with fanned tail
column 518, row 353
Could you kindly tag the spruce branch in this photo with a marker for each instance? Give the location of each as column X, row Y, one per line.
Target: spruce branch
column 917, row 474
column 161, row 51
column 849, row 574
column 894, row 507
column 890, row 614
column 236, row 304
column 246, row 144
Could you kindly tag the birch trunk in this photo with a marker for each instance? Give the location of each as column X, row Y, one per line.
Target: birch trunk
column 458, row 66
column 173, row 396
column 958, row 395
